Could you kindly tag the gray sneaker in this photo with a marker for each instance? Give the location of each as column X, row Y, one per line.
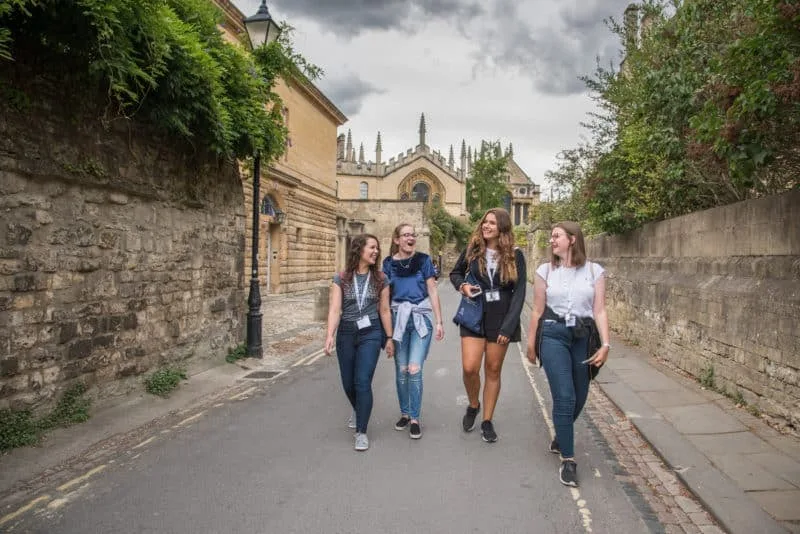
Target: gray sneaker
column 362, row 442
column 351, row 423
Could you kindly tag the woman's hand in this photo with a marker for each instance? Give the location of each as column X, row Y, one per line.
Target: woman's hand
column 390, row 348
column 531, row 353
column 468, row 290
column 599, row 357
column 502, row 340
column 439, row 331
column 329, row 343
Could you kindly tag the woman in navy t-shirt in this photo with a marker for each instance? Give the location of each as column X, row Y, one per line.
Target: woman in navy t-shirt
column 415, row 305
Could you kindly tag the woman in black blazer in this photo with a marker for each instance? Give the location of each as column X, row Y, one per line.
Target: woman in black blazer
column 499, row 268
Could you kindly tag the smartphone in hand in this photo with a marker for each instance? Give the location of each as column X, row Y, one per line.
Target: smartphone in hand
column 587, row 360
column 476, row 292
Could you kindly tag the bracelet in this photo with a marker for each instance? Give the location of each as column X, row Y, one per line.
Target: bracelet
column 606, row 345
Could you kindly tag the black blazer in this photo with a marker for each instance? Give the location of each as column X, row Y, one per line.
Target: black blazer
column 515, row 291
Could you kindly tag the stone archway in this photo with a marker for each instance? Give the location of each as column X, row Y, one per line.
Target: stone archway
column 420, row 184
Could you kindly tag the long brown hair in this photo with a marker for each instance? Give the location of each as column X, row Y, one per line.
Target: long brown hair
column 357, row 246
column 394, row 247
column 506, row 259
column 578, row 248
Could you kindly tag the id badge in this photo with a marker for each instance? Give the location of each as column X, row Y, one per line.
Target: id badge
column 363, row 322
column 569, row 320
column 492, row 296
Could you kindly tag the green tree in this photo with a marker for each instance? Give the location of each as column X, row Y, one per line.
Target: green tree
column 705, row 112
column 486, row 187
column 445, row 228
column 162, row 62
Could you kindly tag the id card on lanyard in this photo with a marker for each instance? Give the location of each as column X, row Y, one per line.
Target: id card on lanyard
column 493, row 295
column 363, row 322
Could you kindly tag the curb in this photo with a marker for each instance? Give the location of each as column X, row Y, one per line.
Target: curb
column 722, row 498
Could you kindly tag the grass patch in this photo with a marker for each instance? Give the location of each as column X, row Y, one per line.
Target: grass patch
column 738, row 398
column 236, row 353
column 707, row 377
column 19, row 428
column 163, row 381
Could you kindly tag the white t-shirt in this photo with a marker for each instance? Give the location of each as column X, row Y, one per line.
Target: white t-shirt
column 571, row 289
column 491, row 262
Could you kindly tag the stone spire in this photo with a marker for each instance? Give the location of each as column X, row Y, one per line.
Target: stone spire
column 422, row 130
column 378, row 149
column 451, row 160
column 463, row 158
column 349, row 148
column 361, row 153
column 511, row 149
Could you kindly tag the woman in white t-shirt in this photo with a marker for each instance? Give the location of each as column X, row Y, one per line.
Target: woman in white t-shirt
column 567, row 289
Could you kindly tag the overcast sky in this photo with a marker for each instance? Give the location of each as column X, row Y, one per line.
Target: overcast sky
column 491, row 69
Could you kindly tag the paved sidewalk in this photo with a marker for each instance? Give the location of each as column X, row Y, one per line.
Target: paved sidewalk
column 745, row 473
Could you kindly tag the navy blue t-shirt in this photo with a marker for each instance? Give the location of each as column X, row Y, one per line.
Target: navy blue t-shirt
column 407, row 278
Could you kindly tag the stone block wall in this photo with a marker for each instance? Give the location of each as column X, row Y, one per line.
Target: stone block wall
column 716, row 289
column 380, row 217
column 118, row 253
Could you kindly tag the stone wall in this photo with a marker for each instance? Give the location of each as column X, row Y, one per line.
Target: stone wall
column 379, row 217
column 117, row 254
column 718, row 289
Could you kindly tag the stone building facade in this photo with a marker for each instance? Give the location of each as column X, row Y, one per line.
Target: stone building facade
column 298, row 236
column 423, row 175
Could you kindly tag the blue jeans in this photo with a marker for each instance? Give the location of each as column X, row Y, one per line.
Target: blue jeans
column 409, row 357
column 562, row 353
column 358, row 352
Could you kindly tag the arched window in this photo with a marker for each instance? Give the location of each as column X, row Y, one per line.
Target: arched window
column 363, row 191
column 420, row 192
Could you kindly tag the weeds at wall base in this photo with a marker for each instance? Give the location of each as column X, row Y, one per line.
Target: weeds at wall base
column 19, row 428
column 163, row 381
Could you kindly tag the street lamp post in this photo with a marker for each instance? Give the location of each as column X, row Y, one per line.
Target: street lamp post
column 262, row 30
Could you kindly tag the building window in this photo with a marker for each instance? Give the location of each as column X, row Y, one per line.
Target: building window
column 517, row 214
column 525, row 214
column 420, row 192
column 363, row 191
column 268, row 206
column 437, row 200
column 507, row 201
column 404, row 196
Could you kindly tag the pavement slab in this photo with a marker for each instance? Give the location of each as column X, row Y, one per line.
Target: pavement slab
column 748, row 475
column 702, row 419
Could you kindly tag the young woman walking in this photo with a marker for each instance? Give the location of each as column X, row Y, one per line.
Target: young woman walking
column 498, row 266
column 360, row 318
column 415, row 307
column 566, row 290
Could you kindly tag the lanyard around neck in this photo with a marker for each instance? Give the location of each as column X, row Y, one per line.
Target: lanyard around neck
column 361, row 295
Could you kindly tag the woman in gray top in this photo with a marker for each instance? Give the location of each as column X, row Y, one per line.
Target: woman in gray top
column 360, row 319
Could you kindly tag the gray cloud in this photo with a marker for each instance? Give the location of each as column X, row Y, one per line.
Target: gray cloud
column 555, row 55
column 348, row 18
column 348, row 92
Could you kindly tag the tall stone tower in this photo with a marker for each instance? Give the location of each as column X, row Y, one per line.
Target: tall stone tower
column 422, row 131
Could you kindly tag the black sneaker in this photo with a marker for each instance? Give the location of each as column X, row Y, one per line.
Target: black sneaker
column 487, row 432
column 554, row 448
column 402, row 423
column 468, row 422
column 568, row 473
column 415, row 432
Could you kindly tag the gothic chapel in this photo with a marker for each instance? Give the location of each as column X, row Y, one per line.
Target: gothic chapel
column 376, row 195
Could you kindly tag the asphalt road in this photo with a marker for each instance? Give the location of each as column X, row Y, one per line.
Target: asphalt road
column 282, row 461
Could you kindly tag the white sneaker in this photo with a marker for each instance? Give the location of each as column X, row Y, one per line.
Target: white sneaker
column 362, row 442
column 351, row 423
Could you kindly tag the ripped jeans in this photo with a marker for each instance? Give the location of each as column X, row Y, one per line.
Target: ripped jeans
column 409, row 357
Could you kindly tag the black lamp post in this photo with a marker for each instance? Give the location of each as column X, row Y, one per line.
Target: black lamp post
column 262, row 30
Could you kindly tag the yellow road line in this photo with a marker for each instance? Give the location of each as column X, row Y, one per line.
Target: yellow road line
column 145, row 442
column 190, row 419
column 78, row 480
column 20, row 511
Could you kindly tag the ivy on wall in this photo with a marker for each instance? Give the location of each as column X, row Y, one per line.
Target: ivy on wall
column 164, row 62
